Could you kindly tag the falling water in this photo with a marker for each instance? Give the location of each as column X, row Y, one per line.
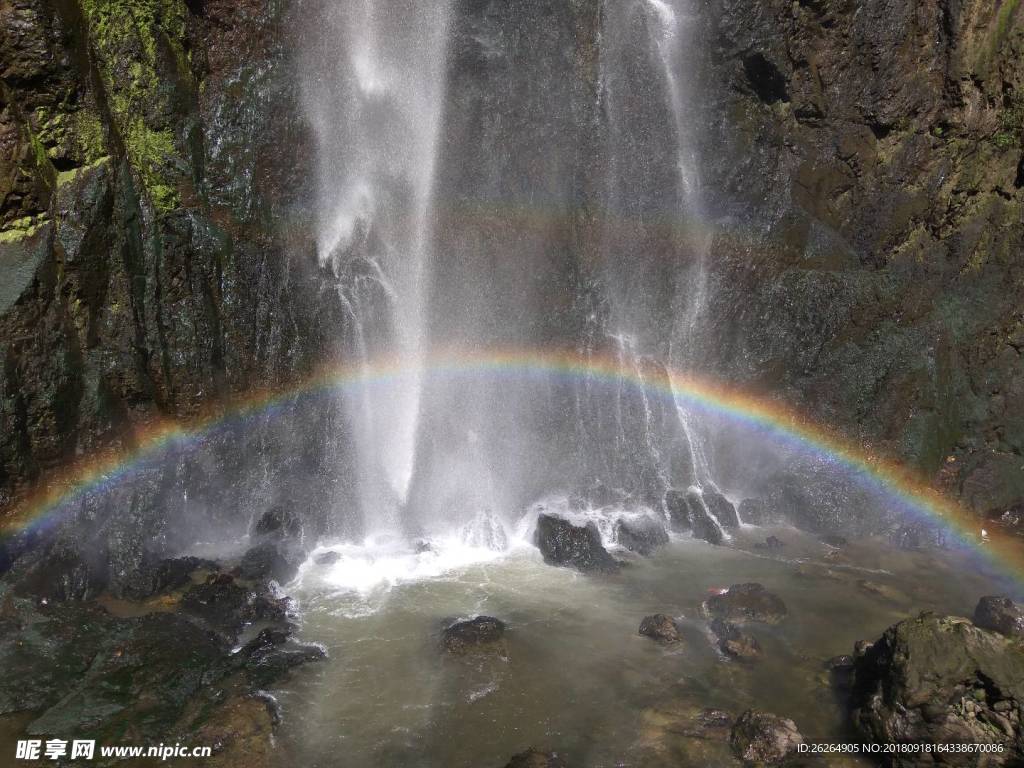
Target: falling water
column 374, row 90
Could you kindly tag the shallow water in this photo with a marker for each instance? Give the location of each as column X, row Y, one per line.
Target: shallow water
column 578, row 678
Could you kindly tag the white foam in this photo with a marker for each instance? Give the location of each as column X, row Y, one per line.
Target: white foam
column 382, row 562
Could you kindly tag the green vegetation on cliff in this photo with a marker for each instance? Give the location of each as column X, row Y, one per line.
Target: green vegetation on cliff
column 138, row 45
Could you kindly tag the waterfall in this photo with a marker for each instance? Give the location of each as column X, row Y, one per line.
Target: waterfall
column 373, row 90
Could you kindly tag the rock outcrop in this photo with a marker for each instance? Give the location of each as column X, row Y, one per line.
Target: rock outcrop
column 1000, row 614
column 761, row 738
column 935, row 680
column 746, row 602
column 575, row 546
column 478, row 635
column 661, row 628
column 641, row 534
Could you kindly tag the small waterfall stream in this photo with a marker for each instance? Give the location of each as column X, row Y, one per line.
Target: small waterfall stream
column 374, row 92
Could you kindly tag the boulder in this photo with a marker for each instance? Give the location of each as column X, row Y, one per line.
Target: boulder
column 271, row 654
column 533, row 758
column 746, row 602
column 327, row 558
column 641, row 534
column 732, row 641
column 761, row 738
column 759, row 512
column 772, row 542
column 934, row 680
column 278, row 524
column 481, row 634
column 1000, row 614
column 661, row 628
column 575, row 546
column 721, row 508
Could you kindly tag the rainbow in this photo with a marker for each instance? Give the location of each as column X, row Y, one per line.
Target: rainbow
column 58, row 493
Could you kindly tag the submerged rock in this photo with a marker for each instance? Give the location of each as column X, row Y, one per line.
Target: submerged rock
column 661, row 628
column 732, row 641
column 533, row 758
column 576, row 546
column 269, row 655
column 484, row 633
column 933, row 680
column 772, row 542
column 1000, row 614
column 746, row 602
column 641, row 534
column 761, row 738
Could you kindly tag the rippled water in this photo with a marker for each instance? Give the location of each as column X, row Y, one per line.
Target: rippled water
column 578, row 678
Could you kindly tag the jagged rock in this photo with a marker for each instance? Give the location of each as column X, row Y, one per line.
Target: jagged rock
column 661, row 628
column 746, row 602
column 533, row 758
column 701, row 523
column 267, row 656
column 761, row 738
column 641, row 534
column 934, row 680
column 327, row 558
column 270, row 560
column 59, row 572
column 576, row 546
column 1000, row 614
column 721, row 508
column 678, row 509
column 279, row 524
column 732, row 641
column 154, row 578
column 482, row 634
column 228, row 606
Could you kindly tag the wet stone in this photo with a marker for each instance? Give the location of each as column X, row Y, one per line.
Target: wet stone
column 746, row 602
column 575, row 546
column 761, row 738
column 481, row 634
column 660, row 627
column 1000, row 614
column 641, row 534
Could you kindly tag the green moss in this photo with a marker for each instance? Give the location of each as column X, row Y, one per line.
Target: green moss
column 1004, row 22
column 65, row 177
column 128, row 37
column 89, row 131
column 21, row 228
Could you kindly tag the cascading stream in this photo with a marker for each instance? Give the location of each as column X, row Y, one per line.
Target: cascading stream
column 374, row 91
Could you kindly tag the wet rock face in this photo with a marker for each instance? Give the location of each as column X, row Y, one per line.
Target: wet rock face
column 482, row 634
column 642, row 535
column 661, row 628
column 746, row 602
column 941, row 681
column 575, row 546
column 1000, row 614
column 228, row 606
column 831, row 122
column 761, row 738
